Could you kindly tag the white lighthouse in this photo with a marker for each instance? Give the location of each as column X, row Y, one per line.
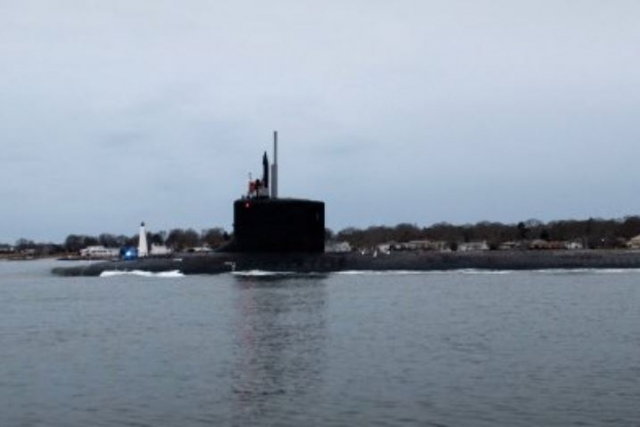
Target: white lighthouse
column 143, row 247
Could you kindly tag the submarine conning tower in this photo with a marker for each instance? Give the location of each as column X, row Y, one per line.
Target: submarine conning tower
column 265, row 223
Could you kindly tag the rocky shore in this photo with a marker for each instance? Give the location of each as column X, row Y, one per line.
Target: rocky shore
column 216, row 263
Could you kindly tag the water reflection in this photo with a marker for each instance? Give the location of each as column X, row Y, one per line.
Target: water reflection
column 280, row 340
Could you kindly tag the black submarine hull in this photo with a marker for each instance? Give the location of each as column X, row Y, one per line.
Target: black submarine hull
column 219, row 263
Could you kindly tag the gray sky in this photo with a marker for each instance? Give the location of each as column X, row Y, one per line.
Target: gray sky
column 420, row 111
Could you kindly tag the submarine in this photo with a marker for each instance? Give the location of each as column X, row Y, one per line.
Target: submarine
column 269, row 233
column 287, row 235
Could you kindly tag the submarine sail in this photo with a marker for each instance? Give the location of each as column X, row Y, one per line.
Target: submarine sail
column 263, row 222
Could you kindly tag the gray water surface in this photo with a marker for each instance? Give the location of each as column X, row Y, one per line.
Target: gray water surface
column 435, row 349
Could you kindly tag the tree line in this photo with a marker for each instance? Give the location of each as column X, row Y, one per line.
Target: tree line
column 594, row 233
column 179, row 239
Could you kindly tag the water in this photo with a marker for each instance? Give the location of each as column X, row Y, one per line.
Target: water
column 431, row 349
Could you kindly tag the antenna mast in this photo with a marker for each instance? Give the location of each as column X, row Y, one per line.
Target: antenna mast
column 274, row 167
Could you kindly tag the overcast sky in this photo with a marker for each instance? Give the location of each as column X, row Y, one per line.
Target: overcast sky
column 113, row 112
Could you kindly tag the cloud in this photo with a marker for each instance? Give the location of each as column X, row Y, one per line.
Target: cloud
column 406, row 111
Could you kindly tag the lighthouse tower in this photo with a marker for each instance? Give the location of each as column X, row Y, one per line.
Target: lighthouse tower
column 143, row 247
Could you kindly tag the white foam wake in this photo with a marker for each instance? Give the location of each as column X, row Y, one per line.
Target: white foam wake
column 588, row 271
column 379, row 272
column 141, row 273
column 262, row 273
column 419, row 272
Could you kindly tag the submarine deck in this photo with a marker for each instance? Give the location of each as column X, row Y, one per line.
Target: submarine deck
column 218, row 262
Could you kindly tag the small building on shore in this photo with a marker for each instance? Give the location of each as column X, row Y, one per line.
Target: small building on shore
column 574, row 245
column 159, row 250
column 540, row 244
column 419, row 245
column 6, row 249
column 634, row 243
column 473, row 246
column 99, row 252
column 337, row 247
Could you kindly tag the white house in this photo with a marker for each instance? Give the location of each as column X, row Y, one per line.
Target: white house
column 574, row 245
column 337, row 247
column 101, row 252
column 159, row 250
column 420, row 245
column 473, row 246
column 634, row 243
